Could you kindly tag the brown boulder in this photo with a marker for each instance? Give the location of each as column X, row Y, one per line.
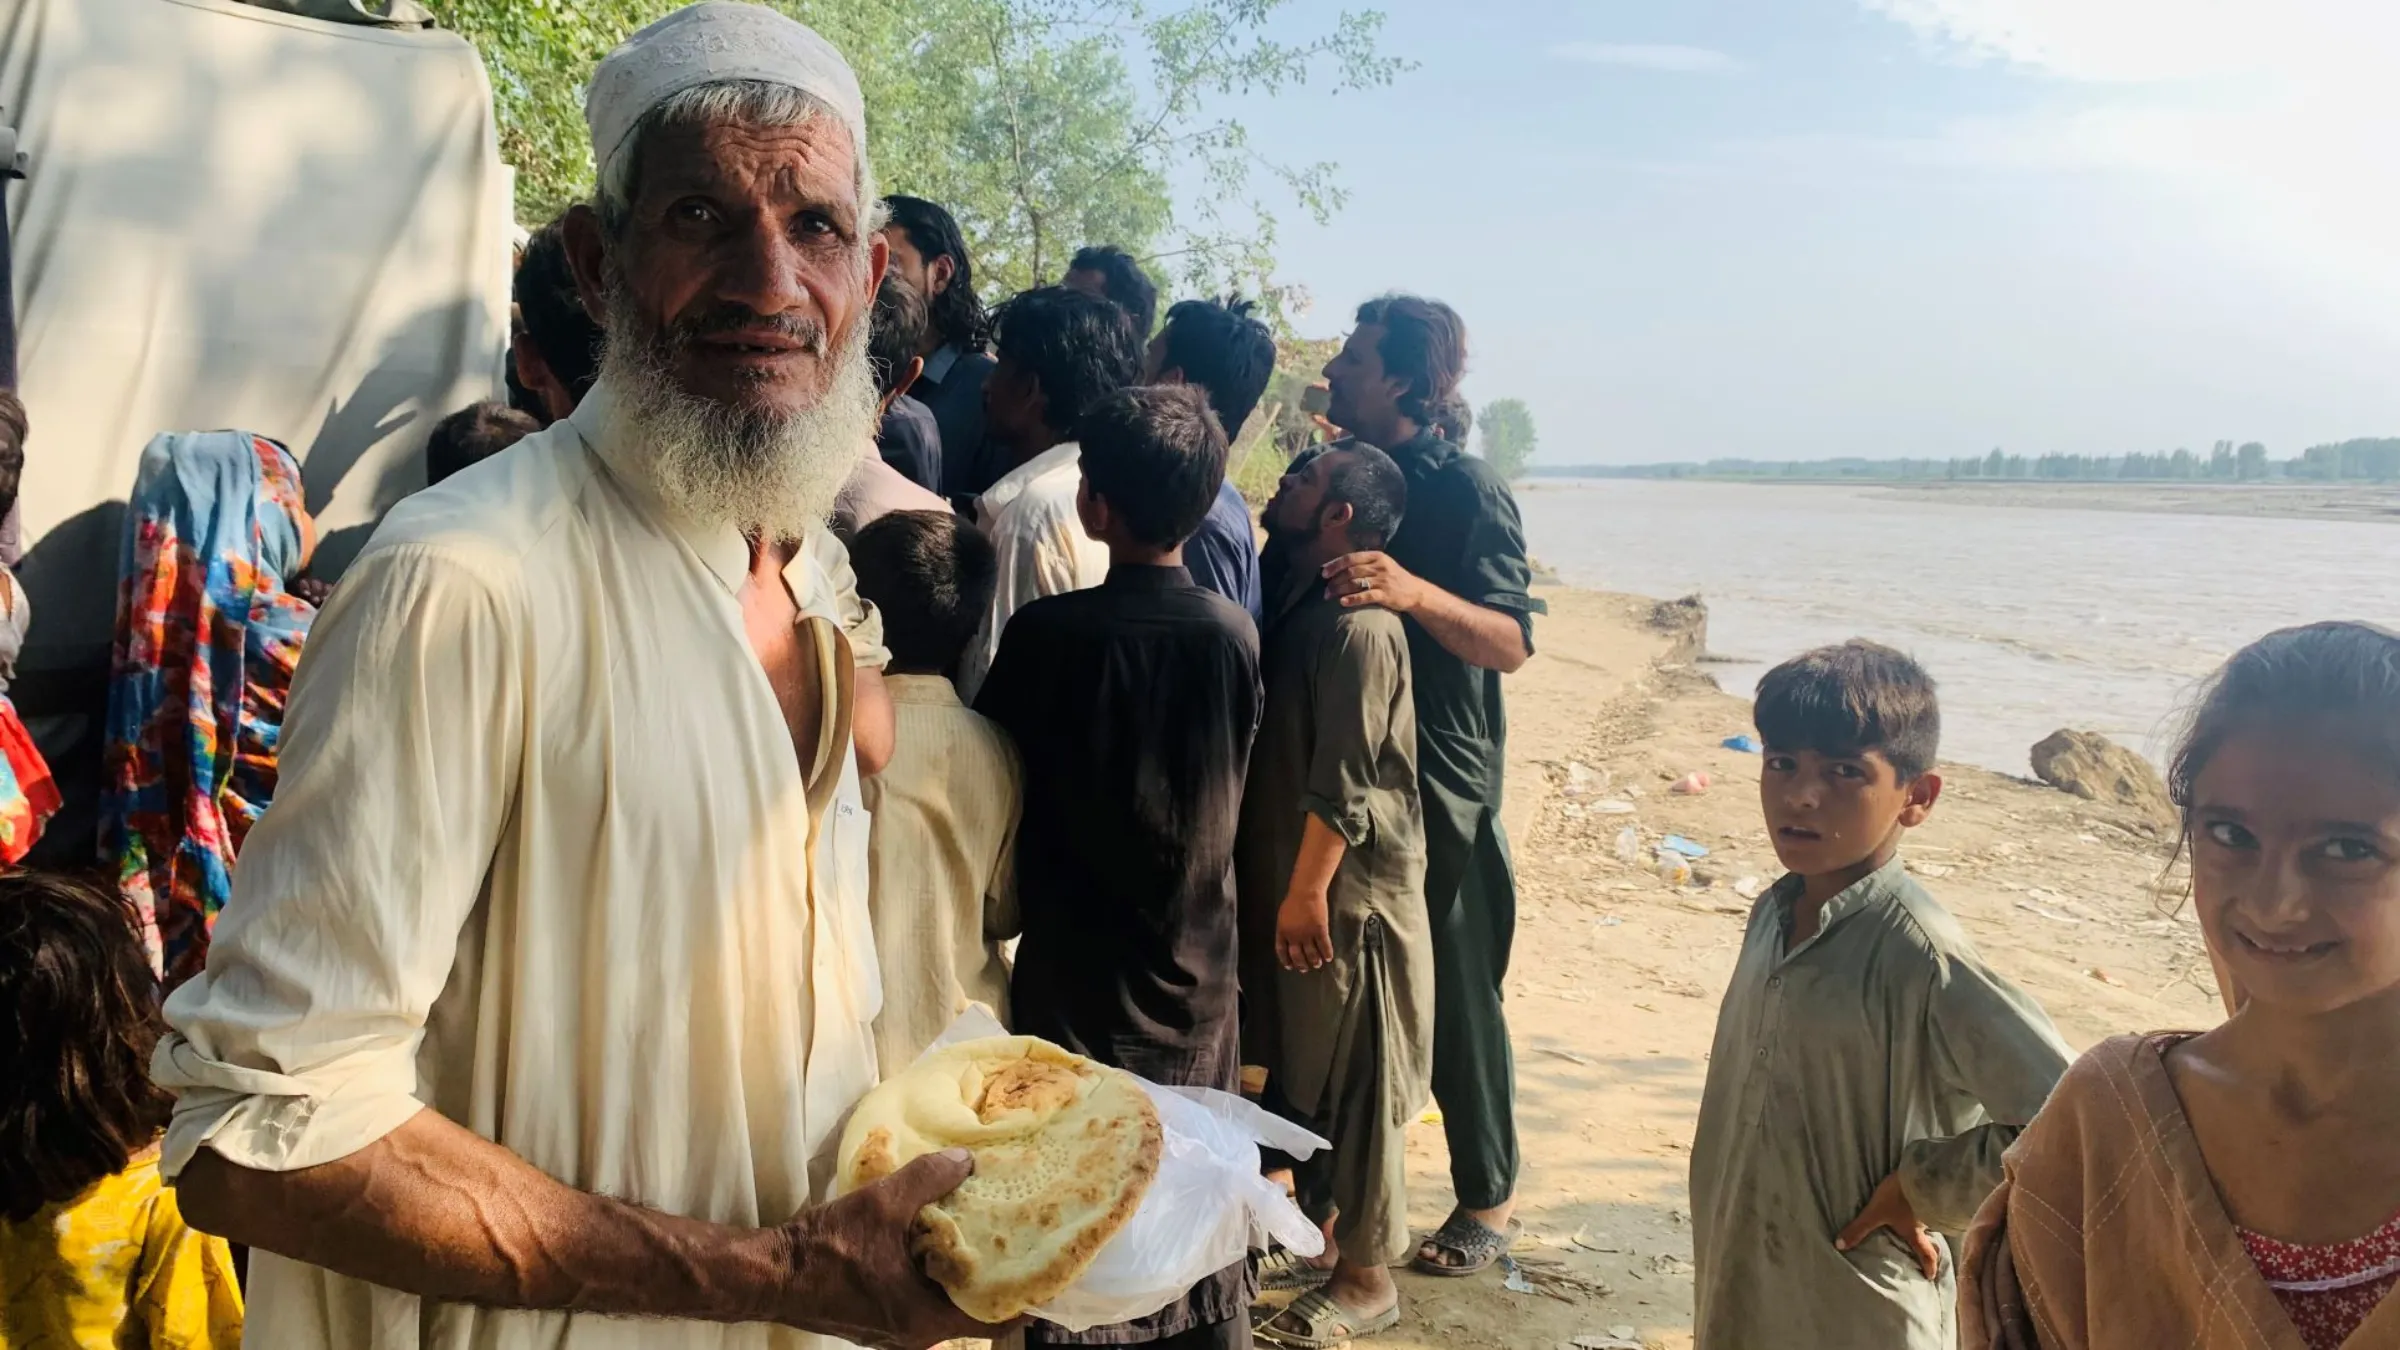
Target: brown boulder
column 2098, row 769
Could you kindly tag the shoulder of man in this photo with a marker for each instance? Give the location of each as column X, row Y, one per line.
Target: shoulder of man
column 501, row 509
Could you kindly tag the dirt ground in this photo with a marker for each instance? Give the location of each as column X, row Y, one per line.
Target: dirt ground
column 1617, row 973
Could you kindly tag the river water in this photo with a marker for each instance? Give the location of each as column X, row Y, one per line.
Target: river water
column 2029, row 618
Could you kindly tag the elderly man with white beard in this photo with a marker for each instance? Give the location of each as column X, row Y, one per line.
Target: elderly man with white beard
column 545, row 987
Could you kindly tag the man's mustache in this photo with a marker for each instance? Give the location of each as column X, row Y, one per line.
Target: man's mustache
column 729, row 317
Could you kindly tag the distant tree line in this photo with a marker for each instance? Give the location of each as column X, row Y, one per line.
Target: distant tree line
column 2365, row 460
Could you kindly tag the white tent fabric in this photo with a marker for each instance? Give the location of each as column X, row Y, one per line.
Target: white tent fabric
column 239, row 218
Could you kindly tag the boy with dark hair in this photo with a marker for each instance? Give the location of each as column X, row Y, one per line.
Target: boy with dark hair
column 1133, row 705
column 907, row 438
column 1220, row 347
column 1869, row 1068
column 1110, row 272
column 1060, row 352
column 554, row 354
column 944, row 810
column 473, row 434
column 1337, row 961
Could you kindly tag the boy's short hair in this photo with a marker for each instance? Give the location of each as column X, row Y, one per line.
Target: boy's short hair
column 931, row 575
column 1221, row 346
column 1156, row 455
column 1077, row 349
column 1128, row 287
column 896, row 329
column 551, row 309
column 1851, row 698
column 473, row 434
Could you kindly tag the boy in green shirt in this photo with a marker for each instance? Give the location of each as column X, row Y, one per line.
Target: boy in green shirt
column 1868, row 1068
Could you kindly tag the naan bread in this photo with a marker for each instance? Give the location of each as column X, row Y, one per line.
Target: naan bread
column 1064, row 1150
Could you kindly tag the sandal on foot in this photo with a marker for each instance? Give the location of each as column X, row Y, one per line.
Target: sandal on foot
column 1475, row 1246
column 1324, row 1323
column 1283, row 1269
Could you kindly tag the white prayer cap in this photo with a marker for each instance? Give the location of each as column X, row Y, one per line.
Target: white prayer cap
column 710, row 42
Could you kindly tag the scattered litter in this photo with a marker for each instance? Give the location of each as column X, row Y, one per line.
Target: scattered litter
column 1750, row 888
column 1690, row 785
column 1670, row 1265
column 2051, row 914
column 1583, row 1238
column 1647, row 1007
column 1629, row 845
column 1516, row 1283
column 1930, row 869
column 1738, row 911
column 1432, row 1116
column 1748, row 745
column 1608, row 921
column 2089, row 838
column 1584, row 781
column 1674, row 869
column 1611, row 1341
column 1611, row 807
column 1676, row 843
column 1570, row 1056
column 2105, row 978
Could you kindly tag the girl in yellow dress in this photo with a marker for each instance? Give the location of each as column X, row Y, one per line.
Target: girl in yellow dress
column 93, row 1252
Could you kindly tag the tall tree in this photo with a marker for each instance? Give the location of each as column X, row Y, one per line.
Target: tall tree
column 1508, row 436
column 1043, row 124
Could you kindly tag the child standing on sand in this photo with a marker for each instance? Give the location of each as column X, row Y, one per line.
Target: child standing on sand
column 1868, row 1068
column 2239, row 1189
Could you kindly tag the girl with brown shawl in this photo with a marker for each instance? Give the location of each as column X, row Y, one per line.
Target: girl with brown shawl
column 2238, row 1189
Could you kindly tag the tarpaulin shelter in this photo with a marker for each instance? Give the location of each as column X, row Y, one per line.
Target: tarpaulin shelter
column 236, row 215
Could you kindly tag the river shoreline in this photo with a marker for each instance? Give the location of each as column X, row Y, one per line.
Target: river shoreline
column 2358, row 502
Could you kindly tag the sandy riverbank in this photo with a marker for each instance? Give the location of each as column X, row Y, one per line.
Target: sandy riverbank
column 1617, row 973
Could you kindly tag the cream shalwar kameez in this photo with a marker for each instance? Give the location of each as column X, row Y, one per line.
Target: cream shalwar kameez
column 543, row 859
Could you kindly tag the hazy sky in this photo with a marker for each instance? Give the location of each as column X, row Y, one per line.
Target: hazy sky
column 1801, row 228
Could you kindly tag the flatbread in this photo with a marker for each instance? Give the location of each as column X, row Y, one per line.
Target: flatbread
column 1064, row 1151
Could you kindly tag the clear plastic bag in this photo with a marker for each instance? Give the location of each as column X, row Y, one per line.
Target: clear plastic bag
column 1206, row 1209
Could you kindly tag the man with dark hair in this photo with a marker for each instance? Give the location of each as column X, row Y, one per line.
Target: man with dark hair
column 929, row 251
column 1060, row 352
column 1457, row 575
column 1108, row 271
column 908, row 438
column 473, row 434
column 1133, row 705
column 1337, row 959
column 944, row 811
column 554, row 356
column 1220, row 347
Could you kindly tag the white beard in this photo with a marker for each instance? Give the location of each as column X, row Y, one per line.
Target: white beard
column 774, row 473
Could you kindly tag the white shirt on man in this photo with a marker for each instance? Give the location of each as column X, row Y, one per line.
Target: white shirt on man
column 1029, row 515
column 543, row 858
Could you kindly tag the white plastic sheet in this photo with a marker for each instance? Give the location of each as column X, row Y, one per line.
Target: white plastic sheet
column 1208, row 1207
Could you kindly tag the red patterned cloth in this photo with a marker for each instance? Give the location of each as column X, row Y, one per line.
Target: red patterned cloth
column 2329, row 1291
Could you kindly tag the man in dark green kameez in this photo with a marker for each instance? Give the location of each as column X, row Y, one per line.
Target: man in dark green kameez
column 1456, row 572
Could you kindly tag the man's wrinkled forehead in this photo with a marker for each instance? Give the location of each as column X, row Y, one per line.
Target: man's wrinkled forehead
column 806, row 167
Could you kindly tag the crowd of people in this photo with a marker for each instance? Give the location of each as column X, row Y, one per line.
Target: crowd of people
column 803, row 655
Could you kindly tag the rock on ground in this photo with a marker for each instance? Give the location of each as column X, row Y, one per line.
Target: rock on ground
column 2098, row 769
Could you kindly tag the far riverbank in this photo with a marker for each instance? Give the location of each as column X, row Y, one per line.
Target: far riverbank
column 2364, row 502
